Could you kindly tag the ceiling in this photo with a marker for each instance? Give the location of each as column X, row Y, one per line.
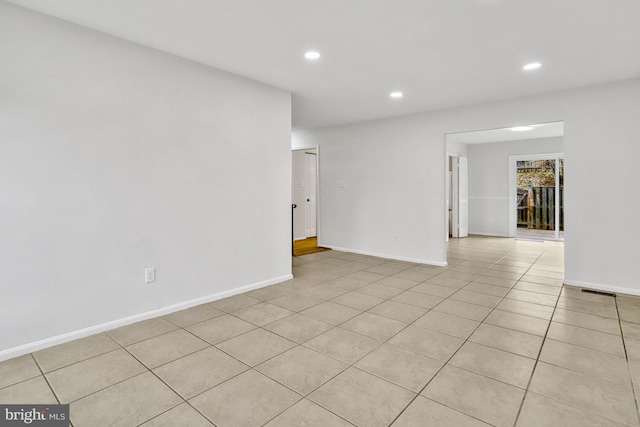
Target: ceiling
column 440, row 53
column 537, row 131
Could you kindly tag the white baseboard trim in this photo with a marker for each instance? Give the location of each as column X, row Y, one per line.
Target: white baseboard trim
column 394, row 257
column 300, row 238
column 85, row 332
column 601, row 287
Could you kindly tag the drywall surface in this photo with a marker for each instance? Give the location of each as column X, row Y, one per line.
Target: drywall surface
column 115, row 157
column 385, row 178
column 489, row 181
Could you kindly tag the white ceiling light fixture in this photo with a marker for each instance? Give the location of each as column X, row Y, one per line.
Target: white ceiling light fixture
column 312, row 55
column 521, row 128
column 532, row 66
column 396, row 95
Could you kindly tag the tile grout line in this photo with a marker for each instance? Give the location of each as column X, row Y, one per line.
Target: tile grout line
column 626, row 356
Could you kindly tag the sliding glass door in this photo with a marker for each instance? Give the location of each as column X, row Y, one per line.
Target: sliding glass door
column 539, row 196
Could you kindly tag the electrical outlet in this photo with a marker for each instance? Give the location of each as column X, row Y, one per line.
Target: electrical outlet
column 149, row 275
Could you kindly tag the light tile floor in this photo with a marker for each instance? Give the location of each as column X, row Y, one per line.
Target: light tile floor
column 492, row 339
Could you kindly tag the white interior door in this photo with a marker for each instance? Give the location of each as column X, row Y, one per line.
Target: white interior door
column 454, row 200
column 311, row 194
column 463, row 194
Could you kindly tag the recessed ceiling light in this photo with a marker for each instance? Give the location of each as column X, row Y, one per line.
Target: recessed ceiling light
column 532, row 66
column 312, row 55
column 396, row 94
column 521, row 128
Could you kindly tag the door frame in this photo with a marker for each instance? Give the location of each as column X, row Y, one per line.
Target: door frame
column 318, row 186
column 513, row 191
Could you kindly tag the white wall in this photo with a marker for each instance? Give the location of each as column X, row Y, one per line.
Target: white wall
column 489, row 181
column 394, row 170
column 115, row 157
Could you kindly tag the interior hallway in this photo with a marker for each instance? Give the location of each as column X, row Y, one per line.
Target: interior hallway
column 493, row 339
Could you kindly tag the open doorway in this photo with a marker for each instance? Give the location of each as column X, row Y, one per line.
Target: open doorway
column 493, row 195
column 304, row 199
column 457, row 199
column 538, row 181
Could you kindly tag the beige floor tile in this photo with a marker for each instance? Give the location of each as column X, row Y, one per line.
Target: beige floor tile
column 141, row 331
column 539, row 411
column 510, row 340
column 263, row 313
column 588, row 338
column 629, row 314
column 595, row 308
column 448, row 282
column 363, row 276
column 269, row 292
column 399, row 366
column 493, row 363
column 250, row 399
column 633, row 348
column 435, row 290
column 331, row 312
column 235, row 303
column 630, row 330
column 302, row 369
column 476, row 298
column 293, row 301
column 589, row 321
column 533, row 297
column 83, row 378
column 481, row 288
column 607, row 399
column 34, row 391
column 200, row 371
column 541, row 280
column 18, row 369
column 495, row 281
column 362, row 398
column 589, row 362
column 425, row 412
column 535, row 287
column 181, row 415
column 509, row 275
column 518, row 322
column 573, row 292
column 418, row 299
column 307, row 414
column 380, row 291
column 298, row 328
column 165, row 348
column 374, row 326
column 528, row 309
column 193, row 315
column 255, row 346
column 398, row 311
column 220, row 329
column 460, row 275
column 137, row 400
column 463, row 309
column 74, row 351
column 447, row 324
column 343, row 345
column 428, row 343
column 358, row 301
column 400, row 283
column 325, row 291
column 491, row 401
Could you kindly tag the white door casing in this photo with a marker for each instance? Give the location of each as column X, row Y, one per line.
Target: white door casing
column 463, row 194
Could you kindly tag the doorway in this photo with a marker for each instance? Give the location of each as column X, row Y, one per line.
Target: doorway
column 304, row 199
column 537, row 188
column 457, row 196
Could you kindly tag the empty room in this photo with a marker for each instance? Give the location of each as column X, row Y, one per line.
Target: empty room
column 451, row 168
